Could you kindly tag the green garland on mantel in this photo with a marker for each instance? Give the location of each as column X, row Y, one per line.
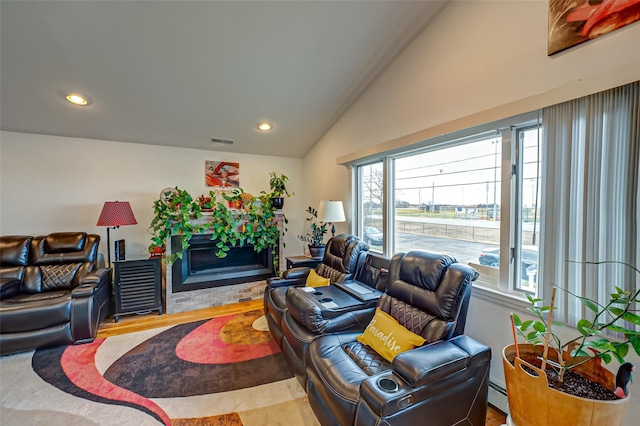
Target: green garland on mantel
column 178, row 214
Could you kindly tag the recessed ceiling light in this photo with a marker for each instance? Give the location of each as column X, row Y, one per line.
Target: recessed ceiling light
column 77, row 99
column 264, row 126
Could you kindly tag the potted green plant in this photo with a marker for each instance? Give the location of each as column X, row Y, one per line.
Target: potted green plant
column 255, row 225
column 174, row 213
column 542, row 375
column 156, row 249
column 315, row 238
column 205, row 202
column 277, row 184
column 234, row 197
column 262, row 231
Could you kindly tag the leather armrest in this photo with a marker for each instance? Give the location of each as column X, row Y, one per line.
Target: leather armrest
column 387, row 402
column 310, row 314
column 290, row 277
column 92, row 282
column 9, row 287
column 430, row 363
column 425, row 373
column 297, row 273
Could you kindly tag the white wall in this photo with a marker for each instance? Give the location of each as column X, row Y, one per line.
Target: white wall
column 475, row 57
column 52, row 184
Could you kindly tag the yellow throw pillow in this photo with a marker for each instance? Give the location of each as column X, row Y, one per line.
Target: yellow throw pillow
column 388, row 338
column 315, row 280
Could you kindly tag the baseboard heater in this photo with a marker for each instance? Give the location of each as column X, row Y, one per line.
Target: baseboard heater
column 498, row 397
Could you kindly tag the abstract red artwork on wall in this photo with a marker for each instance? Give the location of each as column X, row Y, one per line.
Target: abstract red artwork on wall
column 573, row 22
column 222, row 174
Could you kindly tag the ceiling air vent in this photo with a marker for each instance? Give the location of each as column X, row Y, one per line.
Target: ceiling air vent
column 222, row 141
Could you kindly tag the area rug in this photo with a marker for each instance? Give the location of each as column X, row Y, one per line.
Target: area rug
column 221, row 371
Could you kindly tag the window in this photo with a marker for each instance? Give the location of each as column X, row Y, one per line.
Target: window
column 481, row 198
column 449, row 198
column 370, row 205
column 528, row 202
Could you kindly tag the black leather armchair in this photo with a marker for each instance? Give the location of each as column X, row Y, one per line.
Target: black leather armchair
column 51, row 291
column 343, row 255
column 443, row 382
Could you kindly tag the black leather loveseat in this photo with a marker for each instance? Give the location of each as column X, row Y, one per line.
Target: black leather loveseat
column 51, row 291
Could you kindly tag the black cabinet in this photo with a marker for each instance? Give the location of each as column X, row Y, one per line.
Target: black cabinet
column 138, row 286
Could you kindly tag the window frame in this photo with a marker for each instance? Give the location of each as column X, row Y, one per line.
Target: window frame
column 505, row 292
column 517, row 193
column 357, row 199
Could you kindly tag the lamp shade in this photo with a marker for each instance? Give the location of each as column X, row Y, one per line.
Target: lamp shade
column 331, row 211
column 116, row 213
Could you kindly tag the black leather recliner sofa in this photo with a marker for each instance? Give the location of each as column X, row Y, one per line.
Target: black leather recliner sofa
column 307, row 318
column 51, row 291
column 342, row 257
column 443, row 382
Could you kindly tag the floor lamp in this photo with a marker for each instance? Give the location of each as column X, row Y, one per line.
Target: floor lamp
column 330, row 212
column 114, row 215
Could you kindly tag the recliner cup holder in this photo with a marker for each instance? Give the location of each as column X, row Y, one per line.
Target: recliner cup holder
column 388, row 385
column 325, row 300
column 317, row 293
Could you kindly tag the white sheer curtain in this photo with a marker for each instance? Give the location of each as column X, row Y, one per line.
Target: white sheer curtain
column 591, row 159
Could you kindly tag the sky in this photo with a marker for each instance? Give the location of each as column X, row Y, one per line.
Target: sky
column 465, row 175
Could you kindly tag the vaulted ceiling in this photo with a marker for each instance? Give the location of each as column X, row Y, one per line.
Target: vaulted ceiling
column 179, row 73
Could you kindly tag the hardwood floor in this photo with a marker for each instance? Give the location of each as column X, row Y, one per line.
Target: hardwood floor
column 495, row 417
column 133, row 323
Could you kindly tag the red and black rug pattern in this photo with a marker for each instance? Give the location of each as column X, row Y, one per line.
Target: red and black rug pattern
column 199, row 358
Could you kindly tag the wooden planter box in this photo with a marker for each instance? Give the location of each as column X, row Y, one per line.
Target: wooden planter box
column 533, row 403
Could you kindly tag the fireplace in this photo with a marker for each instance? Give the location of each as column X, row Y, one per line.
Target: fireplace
column 200, row 268
column 207, row 287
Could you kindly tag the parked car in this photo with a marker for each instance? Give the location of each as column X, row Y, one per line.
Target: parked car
column 372, row 236
column 490, row 256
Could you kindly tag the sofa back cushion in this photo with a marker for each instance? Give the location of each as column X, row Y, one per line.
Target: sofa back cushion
column 14, row 255
column 422, row 323
column 14, row 250
column 64, row 242
column 426, row 293
column 64, row 247
column 374, row 272
column 59, row 260
column 39, row 279
column 342, row 257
